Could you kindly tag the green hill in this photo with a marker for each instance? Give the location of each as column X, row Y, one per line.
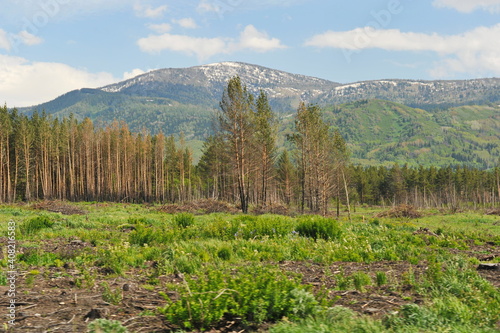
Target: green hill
column 385, row 132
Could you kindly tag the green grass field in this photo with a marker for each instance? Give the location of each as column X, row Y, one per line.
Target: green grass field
column 274, row 273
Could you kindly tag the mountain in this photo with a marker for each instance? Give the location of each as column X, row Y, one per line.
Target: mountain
column 177, row 89
column 428, row 122
column 203, row 85
column 417, row 93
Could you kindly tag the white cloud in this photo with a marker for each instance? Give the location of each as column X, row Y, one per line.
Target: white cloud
column 472, row 52
column 148, row 11
column 223, row 6
column 468, row 6
column 4, row 40
column 253, row 39
column 29, row 39
column 160, row 28
column 250, row 39
column 9, row 41
column 133, row 73
column 187, row 23
column 24, row 83
column 203, row 48
column 205, row 6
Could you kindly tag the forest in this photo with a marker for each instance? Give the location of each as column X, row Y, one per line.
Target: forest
column 46, row 158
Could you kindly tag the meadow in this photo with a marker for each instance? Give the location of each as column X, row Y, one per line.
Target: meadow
column 106, row 267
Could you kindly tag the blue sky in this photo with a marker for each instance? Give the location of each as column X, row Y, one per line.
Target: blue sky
column 49, row 47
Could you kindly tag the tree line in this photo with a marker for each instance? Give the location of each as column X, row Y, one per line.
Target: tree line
column 48, row 158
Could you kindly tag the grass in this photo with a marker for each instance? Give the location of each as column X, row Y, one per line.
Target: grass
column 208, row 248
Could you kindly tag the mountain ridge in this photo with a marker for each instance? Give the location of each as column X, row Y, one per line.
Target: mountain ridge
column 204, row 84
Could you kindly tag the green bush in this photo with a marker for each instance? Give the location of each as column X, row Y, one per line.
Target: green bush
column 360, row 280
column 106, row 326
column 224, row 253
column 317, row 227
column 35, row 224
column 184, row 220
column 255, row 294
column 38, row 257
column 144, row 235
column 337, row 319
column 381, row 278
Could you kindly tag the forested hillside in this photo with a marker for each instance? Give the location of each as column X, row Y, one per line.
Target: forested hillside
column 377, row 131
column 382, row 132
column 42, row 157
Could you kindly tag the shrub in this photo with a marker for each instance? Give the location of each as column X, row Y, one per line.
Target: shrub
column 254, row 294
column 144, row 235
column 381, row 278
column 35, row 224
column 361, row 280
column 337, row 319
column 224, row 253
column 184, row 220
column 317, row 227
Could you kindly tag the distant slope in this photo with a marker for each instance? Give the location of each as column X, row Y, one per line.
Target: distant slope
column 423, row 94
column 385, row 132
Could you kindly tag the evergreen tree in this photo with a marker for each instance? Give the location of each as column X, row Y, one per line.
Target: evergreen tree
column 265, row 142
column 235, row 122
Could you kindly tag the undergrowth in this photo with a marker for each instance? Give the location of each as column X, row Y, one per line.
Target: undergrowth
column 205, row 249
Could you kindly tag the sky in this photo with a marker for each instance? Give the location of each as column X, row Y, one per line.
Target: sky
column 50, row 47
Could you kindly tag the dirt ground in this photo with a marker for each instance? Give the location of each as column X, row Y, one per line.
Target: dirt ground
column 51, row 301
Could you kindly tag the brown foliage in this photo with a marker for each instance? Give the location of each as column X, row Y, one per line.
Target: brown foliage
column 57, row 206
column 407, row 211
column 203, row 206
column 495, row 211
column 272, row 209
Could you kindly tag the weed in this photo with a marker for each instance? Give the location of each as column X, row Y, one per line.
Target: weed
column 408, row 278
column 106, row 326
column 343, row 282
column 381, row 278
column 144, row 235
column 186, row 264
column 111, row 296
column 30, row 277
column 88, row 280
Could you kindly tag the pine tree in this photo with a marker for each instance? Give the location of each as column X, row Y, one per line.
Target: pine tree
column 265, row 142
column 235, row 122
column 315, row 158
column 286, row 176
